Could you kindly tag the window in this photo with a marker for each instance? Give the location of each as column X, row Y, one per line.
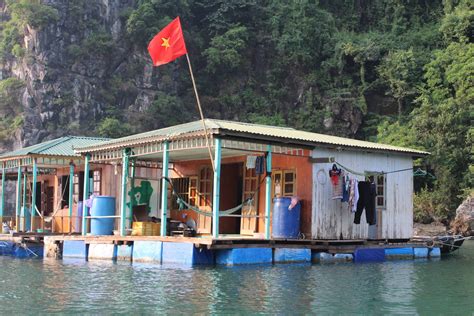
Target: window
column 284, row 183
column 380, row 189
column 187, row 190
column 78, row 186
column 96, row 182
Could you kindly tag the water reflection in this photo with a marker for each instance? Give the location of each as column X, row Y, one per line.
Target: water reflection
column 98, row 287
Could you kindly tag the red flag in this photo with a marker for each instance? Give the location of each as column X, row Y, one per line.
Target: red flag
column 168, row 44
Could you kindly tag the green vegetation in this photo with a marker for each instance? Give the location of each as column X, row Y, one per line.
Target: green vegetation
column 10, row 107
column 393, row 71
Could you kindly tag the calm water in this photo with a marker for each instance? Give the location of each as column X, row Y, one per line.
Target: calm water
column 399, row 287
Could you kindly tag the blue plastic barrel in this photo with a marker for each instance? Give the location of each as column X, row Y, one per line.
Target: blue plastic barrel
column 285, row 222
column 102, row 206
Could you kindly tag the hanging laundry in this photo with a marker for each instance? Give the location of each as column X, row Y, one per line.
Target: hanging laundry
column 345, row 188
column 337, row 187
column 353, row 195
column 334, row 174
column 367, row 202
column 251, row 162
column 260, row 165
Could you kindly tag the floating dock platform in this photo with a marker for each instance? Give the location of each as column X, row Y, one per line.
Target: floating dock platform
column 227, row 250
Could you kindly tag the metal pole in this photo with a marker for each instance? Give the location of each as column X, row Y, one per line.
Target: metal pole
column 2, row 197
column 85, row 194
column 208, row 144
column 33, row 194
column 216, row 190
column 23, row 208
column 123, row 204
column 71, row 193
column 268, row 192
column 164, row 188
column 18, row 200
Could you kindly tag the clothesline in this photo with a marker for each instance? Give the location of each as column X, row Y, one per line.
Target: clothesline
column 418, row 172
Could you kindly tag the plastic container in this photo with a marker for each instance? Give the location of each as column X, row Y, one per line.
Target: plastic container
column 285, row 222
column 102, row 206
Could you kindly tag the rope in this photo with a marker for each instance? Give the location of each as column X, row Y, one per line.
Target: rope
column 416, row 173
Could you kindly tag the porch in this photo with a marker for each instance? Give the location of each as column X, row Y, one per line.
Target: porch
column 234, row 198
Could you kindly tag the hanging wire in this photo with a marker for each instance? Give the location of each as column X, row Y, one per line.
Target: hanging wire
column 418, row 173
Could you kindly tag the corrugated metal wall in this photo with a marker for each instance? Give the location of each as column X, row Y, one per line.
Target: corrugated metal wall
column 331, row 218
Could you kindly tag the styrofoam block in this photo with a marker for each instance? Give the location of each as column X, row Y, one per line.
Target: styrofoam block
column 147, row 251
column 102, row 252
column 399, row 253
column 346, row 257
column 324, row 257
column 291, row 255
column 75, row 249
column 421, row 252
column 244, row 256
column 186, row 253
column 124, row 252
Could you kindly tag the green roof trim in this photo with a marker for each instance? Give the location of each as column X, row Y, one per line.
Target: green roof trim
column 63, row 147
column 286, row 135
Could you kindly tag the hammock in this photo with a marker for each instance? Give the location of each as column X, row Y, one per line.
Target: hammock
column 184, row 205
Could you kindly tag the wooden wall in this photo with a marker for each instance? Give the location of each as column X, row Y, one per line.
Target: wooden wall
column 331, row 218
column 301, row 165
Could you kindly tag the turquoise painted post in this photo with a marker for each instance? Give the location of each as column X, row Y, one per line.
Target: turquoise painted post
column 216, row 190
column 268, row 192
column 23, row 209
column 33, row 194
column 2, row 197
column 18, row 199
column 71, row 193
column 86, row 194
column 132, row 187
column 123, row 204
column 164, row 190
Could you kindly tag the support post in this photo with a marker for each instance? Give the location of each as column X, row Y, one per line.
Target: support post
column 216, row 189
column 18, row 199
column 85, row 194
column 2, row 197
column 268, row 192
column 23, row 208
column 123, row 204
column 164, row 186
column 71, row 193
column 33, row 194
column 132, row 187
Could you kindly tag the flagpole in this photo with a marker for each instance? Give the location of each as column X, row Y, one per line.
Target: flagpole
column 200, row 112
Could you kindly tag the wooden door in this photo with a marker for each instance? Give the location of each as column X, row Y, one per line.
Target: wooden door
column 248, row 225
column 204, row 224
column 44, row 198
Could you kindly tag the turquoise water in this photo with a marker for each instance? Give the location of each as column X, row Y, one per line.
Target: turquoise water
column 423, row 287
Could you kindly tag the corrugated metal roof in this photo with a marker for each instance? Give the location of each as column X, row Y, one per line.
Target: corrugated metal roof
column 63, row 146
column 283, row 134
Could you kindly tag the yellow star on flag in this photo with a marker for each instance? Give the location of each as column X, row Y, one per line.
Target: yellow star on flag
column 166, row 42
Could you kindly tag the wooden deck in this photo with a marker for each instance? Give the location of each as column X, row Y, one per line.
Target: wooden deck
column 223, row 242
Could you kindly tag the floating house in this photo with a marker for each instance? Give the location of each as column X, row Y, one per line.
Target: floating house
column 49, row 185
column 167, row 176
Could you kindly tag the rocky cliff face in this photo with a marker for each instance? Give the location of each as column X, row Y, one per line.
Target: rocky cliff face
column 77, row 70
column 77, row 65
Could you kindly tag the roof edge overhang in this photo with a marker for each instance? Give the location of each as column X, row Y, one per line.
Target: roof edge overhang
column 312, row 144
column 136, row 142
